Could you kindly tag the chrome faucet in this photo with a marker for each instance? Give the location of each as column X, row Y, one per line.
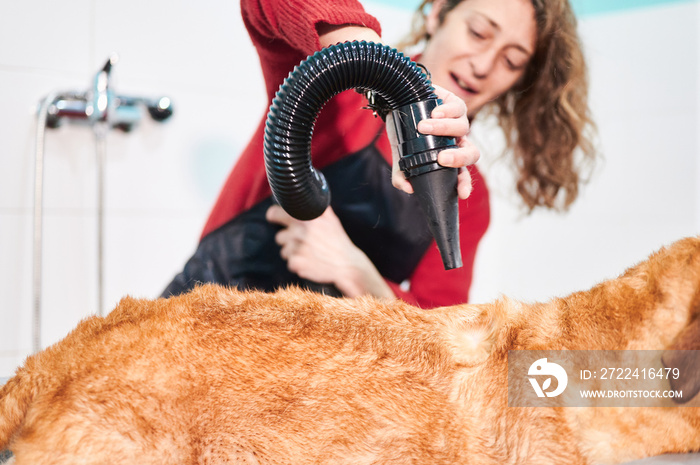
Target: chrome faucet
column 99, row 104
column 100, row 109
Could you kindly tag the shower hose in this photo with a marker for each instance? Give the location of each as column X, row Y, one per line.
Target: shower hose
column 396, row 85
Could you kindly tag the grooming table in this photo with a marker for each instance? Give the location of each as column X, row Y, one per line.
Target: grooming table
column 685, row 459
column 671, row 459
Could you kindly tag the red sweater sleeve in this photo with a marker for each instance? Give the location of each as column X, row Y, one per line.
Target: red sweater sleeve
column 295, row 21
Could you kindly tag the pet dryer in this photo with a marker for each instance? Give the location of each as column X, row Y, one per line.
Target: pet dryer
column 394, row 84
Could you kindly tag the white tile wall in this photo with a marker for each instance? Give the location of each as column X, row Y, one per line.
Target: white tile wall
column 643, row 59
column 697, row 105
column 15, row 288
column 161, row 180
column 46, row 36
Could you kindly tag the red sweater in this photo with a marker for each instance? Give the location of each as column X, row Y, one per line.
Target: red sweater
column 284, row 34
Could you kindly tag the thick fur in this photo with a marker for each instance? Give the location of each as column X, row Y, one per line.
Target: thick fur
column 221, row 376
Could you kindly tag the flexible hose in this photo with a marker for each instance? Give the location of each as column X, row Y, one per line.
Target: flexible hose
column 402, row 88
column 42, row 115
column 297, row 186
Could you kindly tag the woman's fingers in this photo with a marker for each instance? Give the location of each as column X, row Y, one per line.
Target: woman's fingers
column 449, row 127
column 398, row 180
column 448, row 119
column 464, row 183
column 451, row 106
column 463, row 155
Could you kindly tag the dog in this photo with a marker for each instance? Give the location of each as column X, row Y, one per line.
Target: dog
column 221, row 376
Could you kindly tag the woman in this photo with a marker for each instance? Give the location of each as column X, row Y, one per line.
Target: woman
column 521, row 56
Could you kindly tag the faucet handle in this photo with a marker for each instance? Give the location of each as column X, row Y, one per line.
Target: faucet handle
column 160, row 109
column 100, row 104
column 103, row 78
column 111, row 61
column 101, row 97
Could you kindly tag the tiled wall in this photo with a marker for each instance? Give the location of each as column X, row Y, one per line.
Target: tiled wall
column 162, row 179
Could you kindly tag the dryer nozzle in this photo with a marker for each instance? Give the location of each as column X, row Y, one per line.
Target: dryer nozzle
column 437, row 195
column 434, row 185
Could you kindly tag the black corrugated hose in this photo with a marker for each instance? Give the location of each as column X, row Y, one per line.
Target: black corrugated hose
column 401, row 87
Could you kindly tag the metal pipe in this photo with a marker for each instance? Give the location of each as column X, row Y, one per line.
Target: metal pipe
column 42, row 116
column 100, row 129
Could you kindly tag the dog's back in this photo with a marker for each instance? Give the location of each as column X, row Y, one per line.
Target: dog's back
column 218, row 375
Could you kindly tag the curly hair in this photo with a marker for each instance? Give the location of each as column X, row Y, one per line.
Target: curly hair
column 544, row 116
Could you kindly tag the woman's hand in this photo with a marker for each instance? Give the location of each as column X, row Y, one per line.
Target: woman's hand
column 321, row 251
column 448, row 119
column 329, row 34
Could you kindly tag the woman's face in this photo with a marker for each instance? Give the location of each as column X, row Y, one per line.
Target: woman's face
column 481, row 48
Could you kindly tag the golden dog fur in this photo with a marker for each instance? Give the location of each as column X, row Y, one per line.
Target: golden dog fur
column 221, row 376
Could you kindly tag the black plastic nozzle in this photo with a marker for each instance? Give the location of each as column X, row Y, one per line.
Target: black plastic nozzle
column 434, row 185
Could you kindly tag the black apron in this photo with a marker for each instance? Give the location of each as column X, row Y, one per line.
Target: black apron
column 384, row 222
